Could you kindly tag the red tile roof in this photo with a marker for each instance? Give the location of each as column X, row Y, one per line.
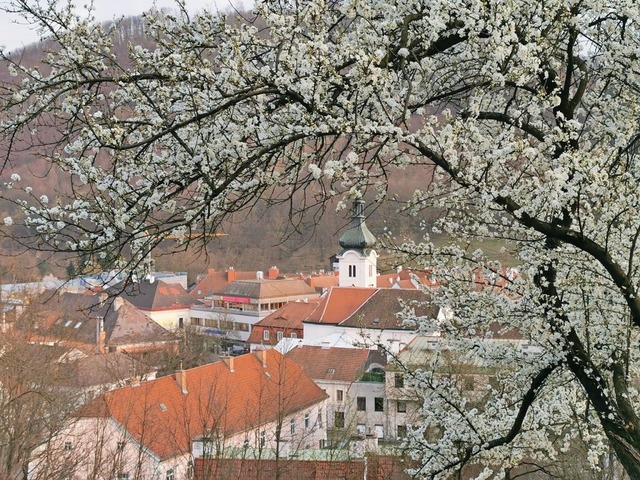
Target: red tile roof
column 286, row 319
column 289, row 316
column 165, row 420
column 378, row 467
column 339, row 304
column 369, row 307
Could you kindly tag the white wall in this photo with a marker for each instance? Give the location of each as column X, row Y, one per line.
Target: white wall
column 365, row 269
column 100, row 448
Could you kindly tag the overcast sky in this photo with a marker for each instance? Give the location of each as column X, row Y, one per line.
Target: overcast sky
column 14, row 33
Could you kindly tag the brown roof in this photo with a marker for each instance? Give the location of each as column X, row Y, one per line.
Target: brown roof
column 380, row 310
column 264, row 289
column 164, row 419
column 339, row 303
column 109, row 368
column 154, row 295
column 341, row 364
column 129, row 326
column 74, row 319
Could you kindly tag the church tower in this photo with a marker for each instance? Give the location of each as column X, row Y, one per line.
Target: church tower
column 357, row 262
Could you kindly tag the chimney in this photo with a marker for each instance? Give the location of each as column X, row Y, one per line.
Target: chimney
column 101, row 335
column 229, row 363
column 231, row 274
column 117, row 303
column 274, row 273
column 181, row 379
column 262, row 356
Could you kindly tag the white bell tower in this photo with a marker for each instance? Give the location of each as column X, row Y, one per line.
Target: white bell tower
column 358, row 260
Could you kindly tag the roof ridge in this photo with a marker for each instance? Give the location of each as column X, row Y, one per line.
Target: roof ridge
column 376, row 290
column 326, row 304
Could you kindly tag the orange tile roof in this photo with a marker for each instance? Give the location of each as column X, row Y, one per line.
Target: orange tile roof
column 339, row 304
column 286, row 319
column 291, row 315
column 165, row 420
column 323, row 281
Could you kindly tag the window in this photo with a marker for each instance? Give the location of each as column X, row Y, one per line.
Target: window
column 190, row 469
column 279, row 335
column 292, row 426
column 338, row 419
column 180, row 322
column 402, row 431
column 362, row 404
column 68, row 446
column 170, row 475
column 307, row 421
column 263, row 438
column 399, row 380
column 378, row 404
column 265, row 335
column 352, row 271
column 402, row 407
column 122, row 476
column 379, row 431
column 294, row 335
column 120, row 446
column 371, row 270
column 319, row 420
column 339, row 395
column 361, row 429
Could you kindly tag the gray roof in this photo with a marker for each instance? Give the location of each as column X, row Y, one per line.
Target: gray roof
column 154, row 295
column 358, row 235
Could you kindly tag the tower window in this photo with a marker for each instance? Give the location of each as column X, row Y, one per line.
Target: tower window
column 352, row 271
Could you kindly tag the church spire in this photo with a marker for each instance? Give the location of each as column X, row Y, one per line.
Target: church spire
column 357, row 236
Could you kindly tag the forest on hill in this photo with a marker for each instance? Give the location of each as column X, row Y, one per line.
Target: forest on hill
column 278, row 232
